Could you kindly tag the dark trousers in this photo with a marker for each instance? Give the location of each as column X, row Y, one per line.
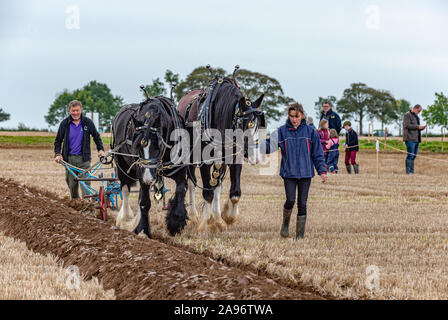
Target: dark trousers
column 303, row 187
column 332, row 162
column 72, row 184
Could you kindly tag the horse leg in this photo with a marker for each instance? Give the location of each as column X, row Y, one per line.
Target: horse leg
column 176, row 217
column 125, row 213
column 231, row 211
column 144, row 205
column 207, row 194
column 216, row 209
column 193, row 214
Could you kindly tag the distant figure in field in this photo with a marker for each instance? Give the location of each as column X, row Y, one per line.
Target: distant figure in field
column 324, row 136
column 333, row 152
column 351, row 148
column 412, row 135
column 310, row 122
column 334, row 121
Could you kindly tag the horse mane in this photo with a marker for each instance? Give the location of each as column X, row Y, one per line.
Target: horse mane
column 165, row 117
column 223, row 110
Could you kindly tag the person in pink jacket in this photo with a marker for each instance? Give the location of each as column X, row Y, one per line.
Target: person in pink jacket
column 333, row 152
column 324, row 135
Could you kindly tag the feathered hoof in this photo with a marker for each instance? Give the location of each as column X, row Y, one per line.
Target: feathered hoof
column 229, row 220
column 194, row 218
column 202, row 227
column 218, row 226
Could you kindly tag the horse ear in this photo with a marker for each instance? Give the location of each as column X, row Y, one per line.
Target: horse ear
column 258, row 102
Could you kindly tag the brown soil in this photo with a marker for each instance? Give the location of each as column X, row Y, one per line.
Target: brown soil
column 135, row 267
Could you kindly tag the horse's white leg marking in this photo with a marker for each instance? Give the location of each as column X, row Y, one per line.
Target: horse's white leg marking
column 216, row 207
column 126, row 211
column 147, row 176
column 194, row 216
column 231, row 210
column 206, row 213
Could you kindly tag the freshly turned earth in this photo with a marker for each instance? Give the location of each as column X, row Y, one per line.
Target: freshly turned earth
column 135, row 267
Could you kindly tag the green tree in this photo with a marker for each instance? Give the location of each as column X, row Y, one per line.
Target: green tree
column 4, row 116
column 437, row 113
column 354, row 103
column 59, row 109
column 382, row 106
column 198, row 78
column 95, row 97
column 157, row 88
column 172, row 78
column 318, row 105
column 252, row 84
column 401, row 107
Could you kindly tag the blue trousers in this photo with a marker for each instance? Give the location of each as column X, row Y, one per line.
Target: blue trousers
column 332, row 162
column 412, row 148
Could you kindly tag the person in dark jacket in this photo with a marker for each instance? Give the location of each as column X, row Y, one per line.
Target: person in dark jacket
column 334, row 121
column 74, row 136
column 412, row 136
column 301, row 153
column 351, row 147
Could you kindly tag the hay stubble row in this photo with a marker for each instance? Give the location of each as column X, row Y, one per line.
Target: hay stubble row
column 397, row 223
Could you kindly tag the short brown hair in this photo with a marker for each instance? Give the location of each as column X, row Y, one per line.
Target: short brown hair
column 74, row 103
column 333, row 133
column 417, row 106
column 296, row 107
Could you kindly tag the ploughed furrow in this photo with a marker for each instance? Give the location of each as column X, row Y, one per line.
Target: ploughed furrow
column 135, row 267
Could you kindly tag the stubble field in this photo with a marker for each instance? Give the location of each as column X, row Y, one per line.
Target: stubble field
column 366, row 238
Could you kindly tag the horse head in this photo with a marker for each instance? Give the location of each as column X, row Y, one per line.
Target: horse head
column 150, row 127
column 251, row 119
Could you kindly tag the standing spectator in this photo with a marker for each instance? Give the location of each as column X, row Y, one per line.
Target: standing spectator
column 351, row 147
column 310, row 122
column 74, row 135
column 332, row 117
column 324, row 135
column 301, row 154
column 412, row 135
column 333, row 152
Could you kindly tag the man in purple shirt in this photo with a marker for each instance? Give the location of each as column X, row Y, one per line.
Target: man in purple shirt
column 74, row 135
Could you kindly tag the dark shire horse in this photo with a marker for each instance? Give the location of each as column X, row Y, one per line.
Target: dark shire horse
column 221, row 107
column 141, row 153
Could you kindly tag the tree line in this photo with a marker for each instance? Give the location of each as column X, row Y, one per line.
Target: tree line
column 358, row 102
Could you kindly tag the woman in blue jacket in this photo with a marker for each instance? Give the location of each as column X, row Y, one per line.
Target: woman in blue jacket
column 301, row 153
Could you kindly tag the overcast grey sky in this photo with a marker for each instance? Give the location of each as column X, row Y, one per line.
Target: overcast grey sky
column 313, row 48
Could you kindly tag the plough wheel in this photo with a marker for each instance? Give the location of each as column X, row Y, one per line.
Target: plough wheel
column 103, row 203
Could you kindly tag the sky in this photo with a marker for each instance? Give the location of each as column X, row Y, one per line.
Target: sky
column 313, row 48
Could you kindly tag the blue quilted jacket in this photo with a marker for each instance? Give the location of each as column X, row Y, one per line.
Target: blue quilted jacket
column 301, row 150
